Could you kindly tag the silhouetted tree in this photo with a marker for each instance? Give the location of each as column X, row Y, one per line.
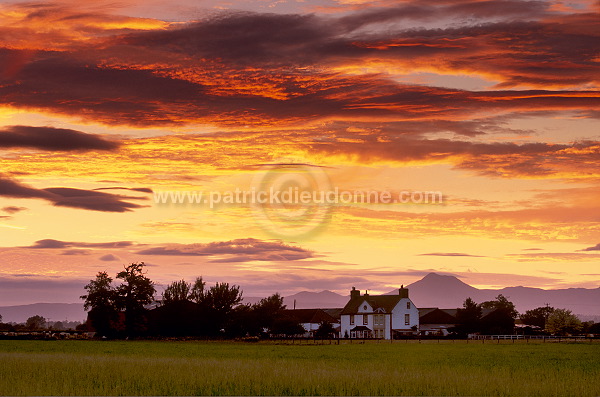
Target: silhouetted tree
column 243, row 322
column 217, row 305
column 503, row 304
column 181, row 313
column 325, row 330
column 100, row 300
column 177, row 291
column 35, row 323
column 468, row 318
column 197, row 290
column 537, row 316
column 501, row 319
column 285, row 325
column 222, row 297
column 267, row 310
column 594, row 328
column 563, row 322
column 176, row 318
column 133, row 294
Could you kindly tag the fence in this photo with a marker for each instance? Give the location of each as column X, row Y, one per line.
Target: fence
column 543, row 338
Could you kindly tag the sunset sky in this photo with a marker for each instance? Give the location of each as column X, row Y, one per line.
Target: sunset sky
column 496, row 104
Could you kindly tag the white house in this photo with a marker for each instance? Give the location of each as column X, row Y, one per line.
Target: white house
column 379, row 316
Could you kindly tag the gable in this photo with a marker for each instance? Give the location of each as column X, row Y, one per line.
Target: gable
column 365, row 307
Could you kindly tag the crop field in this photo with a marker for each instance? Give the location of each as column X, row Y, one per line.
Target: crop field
column 236, row 368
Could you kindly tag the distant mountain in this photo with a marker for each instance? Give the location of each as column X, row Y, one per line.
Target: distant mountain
column 50, row 311
column 439, row 289
column 435, row 290
column 309, row 300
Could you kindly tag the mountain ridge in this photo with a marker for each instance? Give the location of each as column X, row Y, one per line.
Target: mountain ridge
column 433, row 290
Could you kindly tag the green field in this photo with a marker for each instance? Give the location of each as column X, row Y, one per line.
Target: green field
column 228, row 368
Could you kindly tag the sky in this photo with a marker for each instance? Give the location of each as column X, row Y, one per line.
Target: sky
column 108, row 106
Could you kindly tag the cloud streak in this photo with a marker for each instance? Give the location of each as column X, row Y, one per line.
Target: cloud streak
column 239, row 250
column 58, row 244
column 451, row 254
column 70, row 197
column 52, row 139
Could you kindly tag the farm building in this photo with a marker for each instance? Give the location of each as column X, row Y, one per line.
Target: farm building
column 311, row 319
column 379, row 316
column 434, row 321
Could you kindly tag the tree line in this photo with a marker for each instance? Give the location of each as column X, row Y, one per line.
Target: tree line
column 186, row 309
column 501, row 320
column 38, row 323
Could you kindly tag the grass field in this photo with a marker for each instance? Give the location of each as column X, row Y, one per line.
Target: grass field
column 228, row 368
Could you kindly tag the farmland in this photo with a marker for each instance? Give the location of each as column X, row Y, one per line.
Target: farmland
column 235, row 368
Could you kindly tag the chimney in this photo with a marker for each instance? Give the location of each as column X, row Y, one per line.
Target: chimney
column 403, row 292
column 354, row 293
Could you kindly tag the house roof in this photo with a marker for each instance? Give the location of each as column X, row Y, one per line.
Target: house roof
column 433, row 315
column 425, row 310
column 335, row 313
column 437, row 316
column 452, row 312
column 310, row 315
column 360, row 328
column 385, row 302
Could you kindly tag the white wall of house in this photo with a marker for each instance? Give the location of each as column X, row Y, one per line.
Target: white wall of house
column 345, row 325
column 399, row 313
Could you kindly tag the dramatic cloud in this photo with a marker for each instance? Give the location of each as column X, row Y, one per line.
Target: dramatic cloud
column 500, row 159
column 53, row 139
column 237, row 69
column 70, row 197
column 454, row 96
column 57, row 244
column 594, row 248
column 248, row 249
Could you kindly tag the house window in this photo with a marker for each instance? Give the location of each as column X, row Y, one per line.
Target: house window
column 408, row 305
column 352, row 319
column 365, row 319
column 407, row 319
